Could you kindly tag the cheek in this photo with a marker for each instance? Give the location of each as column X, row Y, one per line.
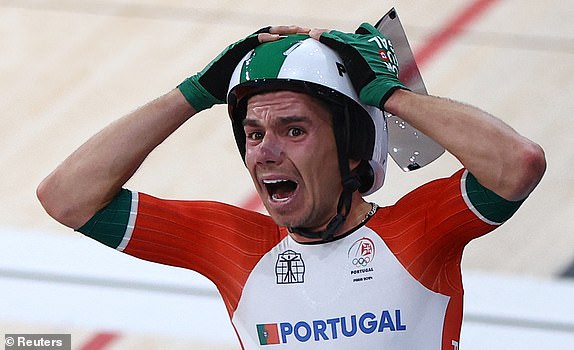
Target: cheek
column 249, row 162
column 324, row 168
column 248, row 157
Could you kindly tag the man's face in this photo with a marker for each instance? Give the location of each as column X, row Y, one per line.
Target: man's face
column 292, row 158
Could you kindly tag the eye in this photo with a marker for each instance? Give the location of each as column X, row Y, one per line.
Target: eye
column 294, row 132
column 254, row 135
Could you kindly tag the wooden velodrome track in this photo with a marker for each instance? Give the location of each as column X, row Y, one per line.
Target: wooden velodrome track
column 71, row 67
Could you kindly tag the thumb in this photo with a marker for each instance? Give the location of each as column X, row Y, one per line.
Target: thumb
column 316, row 33
column 367, row 28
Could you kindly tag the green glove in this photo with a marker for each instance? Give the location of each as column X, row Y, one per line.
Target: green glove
column 209, row 87
column 370, row 60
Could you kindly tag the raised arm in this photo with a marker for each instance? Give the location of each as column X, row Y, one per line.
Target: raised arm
column 92, row 175
column 501, row 159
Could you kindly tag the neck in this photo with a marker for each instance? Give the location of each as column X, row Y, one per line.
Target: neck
column 359, row 212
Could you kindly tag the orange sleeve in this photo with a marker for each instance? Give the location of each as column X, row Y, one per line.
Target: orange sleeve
column 427, row 231
column 220, row 241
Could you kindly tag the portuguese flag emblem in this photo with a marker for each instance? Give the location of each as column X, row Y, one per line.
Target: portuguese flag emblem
column 268, row 334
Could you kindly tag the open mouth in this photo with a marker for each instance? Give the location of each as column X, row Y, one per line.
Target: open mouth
column 280, row 190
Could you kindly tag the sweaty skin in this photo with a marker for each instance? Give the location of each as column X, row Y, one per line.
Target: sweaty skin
column 299, row 188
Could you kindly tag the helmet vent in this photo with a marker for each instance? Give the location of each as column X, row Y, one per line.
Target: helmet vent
column 291, row 49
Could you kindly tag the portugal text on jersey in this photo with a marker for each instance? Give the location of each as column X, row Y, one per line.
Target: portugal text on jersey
column 330, row 329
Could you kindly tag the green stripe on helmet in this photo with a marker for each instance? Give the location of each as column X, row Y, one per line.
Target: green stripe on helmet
column 267, row 59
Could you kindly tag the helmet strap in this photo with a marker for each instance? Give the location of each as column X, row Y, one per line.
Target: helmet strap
column 350, row 181
column 350, row 185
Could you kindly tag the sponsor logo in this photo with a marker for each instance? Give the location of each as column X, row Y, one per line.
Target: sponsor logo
column 387, row 53
column 383, row 55
column 386, row 321
column 290, row 268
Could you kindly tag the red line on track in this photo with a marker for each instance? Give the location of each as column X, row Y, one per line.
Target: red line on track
column 100, row 341
column 433, row 45
column 451, row 30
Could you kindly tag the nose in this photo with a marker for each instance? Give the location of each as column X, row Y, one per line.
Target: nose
column 269, row 150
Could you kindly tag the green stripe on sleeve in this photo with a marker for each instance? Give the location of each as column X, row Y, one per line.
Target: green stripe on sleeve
column 490, row 205
column 109, row 225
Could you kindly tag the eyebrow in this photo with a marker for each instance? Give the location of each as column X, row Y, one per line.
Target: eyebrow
column 278, row 120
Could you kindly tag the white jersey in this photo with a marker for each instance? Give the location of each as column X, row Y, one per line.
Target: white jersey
column 350, row 292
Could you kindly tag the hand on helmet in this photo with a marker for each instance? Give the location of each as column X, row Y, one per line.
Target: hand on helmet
column 370, row 60
column 209, row 86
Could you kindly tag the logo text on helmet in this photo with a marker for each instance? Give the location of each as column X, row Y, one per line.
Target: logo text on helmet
column 341, row 68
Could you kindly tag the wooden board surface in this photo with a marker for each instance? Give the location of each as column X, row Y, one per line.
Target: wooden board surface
column 68, row 68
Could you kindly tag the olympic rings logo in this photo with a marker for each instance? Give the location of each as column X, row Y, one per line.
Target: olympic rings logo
column 361, row 261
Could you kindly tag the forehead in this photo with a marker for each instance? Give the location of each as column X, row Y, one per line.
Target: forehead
column 286, row 103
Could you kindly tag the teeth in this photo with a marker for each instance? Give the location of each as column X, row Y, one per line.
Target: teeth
column 274, row 197
column 280, row 190
column 269, row 182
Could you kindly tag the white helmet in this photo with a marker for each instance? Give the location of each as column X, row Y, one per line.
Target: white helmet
column 301, row 64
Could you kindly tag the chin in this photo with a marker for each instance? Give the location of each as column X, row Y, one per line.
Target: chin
column 285, row 220
column 281, row 220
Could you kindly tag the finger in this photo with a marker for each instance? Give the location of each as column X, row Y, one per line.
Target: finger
column 267, row 37
column 288, row 30
column 315, row 33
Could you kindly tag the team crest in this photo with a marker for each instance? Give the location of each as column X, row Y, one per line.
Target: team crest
column 290, row 268
column 362, row 252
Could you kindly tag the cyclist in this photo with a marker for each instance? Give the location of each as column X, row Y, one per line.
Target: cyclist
column 325, row 268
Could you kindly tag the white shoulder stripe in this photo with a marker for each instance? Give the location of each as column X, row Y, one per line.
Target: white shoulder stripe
column 131, row 222
column 470, row 205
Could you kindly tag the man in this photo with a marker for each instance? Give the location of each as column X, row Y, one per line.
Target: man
column 326, row 269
